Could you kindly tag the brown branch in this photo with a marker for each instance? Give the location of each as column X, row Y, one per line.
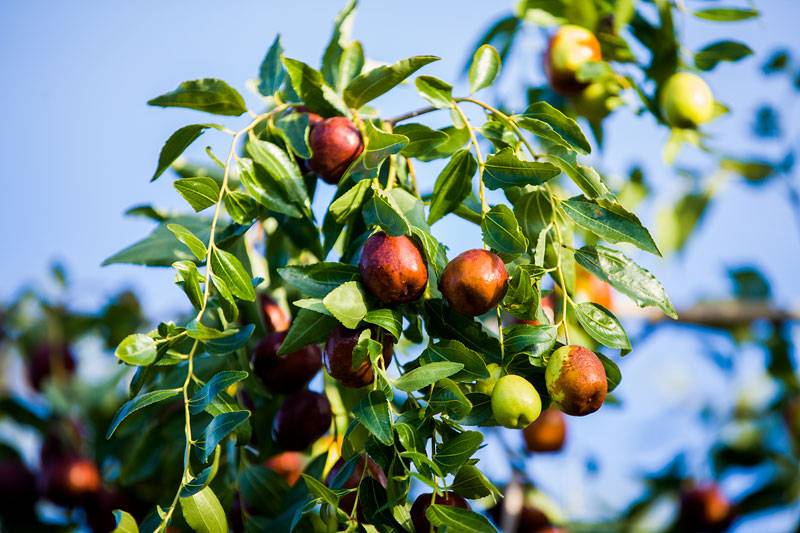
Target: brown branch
column 722, row 314
column 412, row 114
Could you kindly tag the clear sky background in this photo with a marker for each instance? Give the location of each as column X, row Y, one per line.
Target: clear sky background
column 79, row 144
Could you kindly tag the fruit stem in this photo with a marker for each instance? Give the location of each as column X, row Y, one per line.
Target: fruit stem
column 206, row 294
column 479, row 156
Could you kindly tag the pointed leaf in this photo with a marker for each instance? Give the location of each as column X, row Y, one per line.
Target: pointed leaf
column 177, row 143
column 504, row 169
column 208, row 94
column 201, row 192
column 137, row 403
column 377, row 81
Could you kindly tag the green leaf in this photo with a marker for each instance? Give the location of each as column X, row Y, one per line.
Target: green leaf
column 453, row 185
column 377, row 81
column 204, row 513
column 208, row 94
column 195, row 484
column 373, row 413
column 602, row 325
column 422, row 139
column 381, row 145
column 435, row 91
column 613, row 374
column 484, row 68
column 241, row 207
column 293, row 128
column 282, row 168
column 390, row 320
column 442, row 323
column 307, row 328
column 458, row 519
column 262, row 489
column 228, row 267
column 333, row 58
column 269, row 190
column 351, row 63
column 470, row 483
column 549, row 123
column 610, row 222
column 502, row 233
column 503, row 169
column 230, row 342
column 125, row 523
column 177, row 143
column 271, row 73
column 201, row 192
column 380, row 211
column 312, row 89
column 220, row 427
column 186, row 237
column 586, row 178
column 535, row 341
column 448, row 398
column 218, row 383
column 137, row 350
column 522, row 296
column 137, row 403
column 726, row 14
column 319, row 490
column 346, row 303
column 626, row 276
column 452, row 455
column 319, row 279
column 189, row 279
column 426, row 375
column 350, row 202
column 534, row 211
column 713, row 54
column 473, row 364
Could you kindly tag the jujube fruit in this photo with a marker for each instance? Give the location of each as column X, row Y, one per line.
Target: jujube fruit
column 373, row 470
column 515, row 402
column 547, row 433
column 686, row 101
column 705, row 509
column 50, row 360
column 338, row 356
column 70, row 481
column 393, row 269
column 18, row 493
column 288, row 465
column 474, row 282
column 275, row 318
column 335, row 143
column 285, row 373
column 576, row 380
column 486, row 385
column 568, row 49
column 423, row 501
column 302, row 418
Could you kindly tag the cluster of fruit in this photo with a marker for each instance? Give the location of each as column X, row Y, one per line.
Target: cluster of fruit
column 686, row 100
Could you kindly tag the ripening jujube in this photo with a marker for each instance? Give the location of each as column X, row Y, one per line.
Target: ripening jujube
column 285, row 373
column 568, row 49
column 423, row 501
column 576, row 380
column 393, row 269
column 338, row 356
column 302, row 418
column 335, row 143
column 474, row 282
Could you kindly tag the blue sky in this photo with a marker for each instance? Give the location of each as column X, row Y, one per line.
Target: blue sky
column 79, row 145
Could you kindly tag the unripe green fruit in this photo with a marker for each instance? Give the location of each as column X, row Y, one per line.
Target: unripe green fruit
column 576, row 380
column 486, row 386
column 686, row 101
column 592, row 102
column 515, row 402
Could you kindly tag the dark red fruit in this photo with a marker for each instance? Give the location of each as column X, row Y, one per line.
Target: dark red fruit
column 303, row 417
column 373, row 470
column 474, row 282
column 705, row 509
column 423, row 501
column 393, row 269
column 50, row 361
column 338, row 357
column 275, row 318
column 100, row 510
column 18, row 492
column 335, row 144
column 285, row 373
column 547, row 433
column 71, row 481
